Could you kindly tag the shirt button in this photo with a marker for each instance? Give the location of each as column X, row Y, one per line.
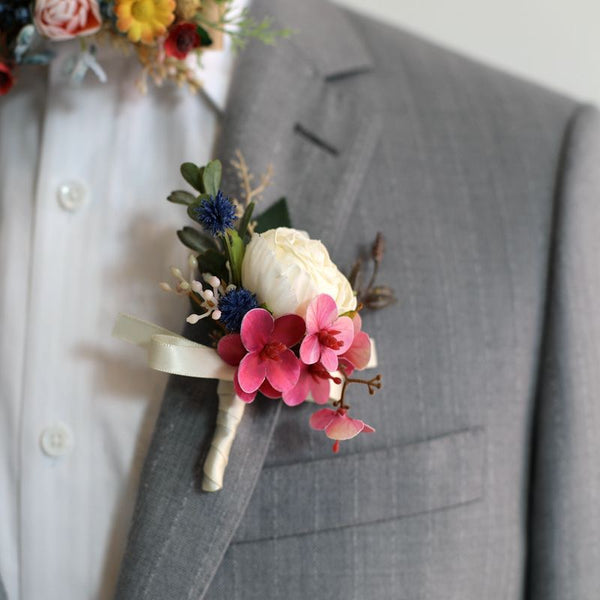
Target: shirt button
column 71, row 195
column 56, row 440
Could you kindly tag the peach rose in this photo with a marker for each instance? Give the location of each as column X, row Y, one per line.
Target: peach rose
column 66, row 19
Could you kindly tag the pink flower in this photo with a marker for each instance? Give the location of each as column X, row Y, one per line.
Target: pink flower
column 261, row 352
column 359, row 353
column 338, row 425
column 314, row 379
column 66, row 19
column 327, row 335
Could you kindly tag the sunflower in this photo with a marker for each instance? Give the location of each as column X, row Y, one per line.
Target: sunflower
column 144, row 20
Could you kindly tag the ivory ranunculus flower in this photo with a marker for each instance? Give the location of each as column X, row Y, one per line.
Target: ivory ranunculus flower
column 286, row 270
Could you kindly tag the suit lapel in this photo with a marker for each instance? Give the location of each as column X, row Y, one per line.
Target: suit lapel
column 284, row 108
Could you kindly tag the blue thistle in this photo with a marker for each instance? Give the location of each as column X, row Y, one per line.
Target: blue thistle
column 234, row 305
column 215, row 214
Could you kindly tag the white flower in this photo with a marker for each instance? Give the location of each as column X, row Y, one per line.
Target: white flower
column 210, row 298
column 286, row 270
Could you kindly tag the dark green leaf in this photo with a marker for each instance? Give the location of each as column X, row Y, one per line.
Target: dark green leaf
column 211, row 178
column 236, row 256
column 181, row 197
column 193, row 175
column 196, row 204
column 277, row 215
column 205, row 39
column 194, row 239
column 212, row 261
column 245, row 220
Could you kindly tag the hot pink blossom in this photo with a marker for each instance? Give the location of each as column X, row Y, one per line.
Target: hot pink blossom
column 359, row 353
column 314, row 379
column 261, row 351
column 338, row 425
column 327, row 335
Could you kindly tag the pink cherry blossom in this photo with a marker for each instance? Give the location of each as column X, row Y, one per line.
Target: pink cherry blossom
column 261, row 352
column 338, row 425
column 359, row 353
column 313, row 380
column 327, row 335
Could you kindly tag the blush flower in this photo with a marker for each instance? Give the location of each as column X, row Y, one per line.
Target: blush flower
column 359, row 353
column 182, row 39
column 313, row 380
column 338, row 425
column 261, row 351
column 60, row 20
column 327, row 335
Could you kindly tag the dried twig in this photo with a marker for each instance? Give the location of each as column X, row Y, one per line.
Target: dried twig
column 250, row 194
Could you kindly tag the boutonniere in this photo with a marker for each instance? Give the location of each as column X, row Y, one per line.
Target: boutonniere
column 168, row 36
column 285, row 321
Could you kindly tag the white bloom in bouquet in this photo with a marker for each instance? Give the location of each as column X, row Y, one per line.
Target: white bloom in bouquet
column 286, row 270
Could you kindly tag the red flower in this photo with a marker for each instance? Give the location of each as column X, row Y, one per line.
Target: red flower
column 6, row 79
column 181, row 40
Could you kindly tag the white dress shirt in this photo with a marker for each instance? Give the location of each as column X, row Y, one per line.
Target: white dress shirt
column 85, row 233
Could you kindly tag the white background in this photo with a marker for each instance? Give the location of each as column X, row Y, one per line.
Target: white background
column 553, row 42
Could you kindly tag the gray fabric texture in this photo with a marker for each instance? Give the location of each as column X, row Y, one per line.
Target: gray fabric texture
column 482, row 479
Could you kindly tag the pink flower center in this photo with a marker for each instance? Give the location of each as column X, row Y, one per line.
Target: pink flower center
column 318, row 371
column 273, row 351
column 327, row 338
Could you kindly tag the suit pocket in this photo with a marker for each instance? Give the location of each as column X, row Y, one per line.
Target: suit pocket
column 369, row 487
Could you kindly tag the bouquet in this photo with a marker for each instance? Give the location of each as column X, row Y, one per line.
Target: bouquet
column 285, row 320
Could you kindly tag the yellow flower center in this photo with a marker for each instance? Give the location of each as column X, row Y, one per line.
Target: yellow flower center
column 143, row 10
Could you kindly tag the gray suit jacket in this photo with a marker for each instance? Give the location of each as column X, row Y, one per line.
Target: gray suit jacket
column 483, row 479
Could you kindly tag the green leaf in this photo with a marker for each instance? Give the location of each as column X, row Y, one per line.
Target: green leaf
column 277, row 215
column 205, row 39
column 193, row 175
column 181, row 197
column 213, row 261
column 236, row 255
column 196, row 204
column 245, row 220
column 196, row 240
column 211, row 178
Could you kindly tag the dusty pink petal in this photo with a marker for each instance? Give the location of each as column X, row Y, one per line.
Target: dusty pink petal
column 299, row 392
column 321, row 313
column 367, row 428
column 245, row 396
column 231, row 349
column 322, row 418
column 310, row 349
column 342, row 427
column 359, row 352
column 257, row 327
column 346, row 333
column 357, row 323
column 345, row 365
column 288, row 330
column 283, row 373
column 252, row 372
column 266, row 389
column 319, row 389
column 329, row 359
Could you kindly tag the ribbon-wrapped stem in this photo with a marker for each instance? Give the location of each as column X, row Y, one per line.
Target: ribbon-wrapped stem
column 229, row 415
